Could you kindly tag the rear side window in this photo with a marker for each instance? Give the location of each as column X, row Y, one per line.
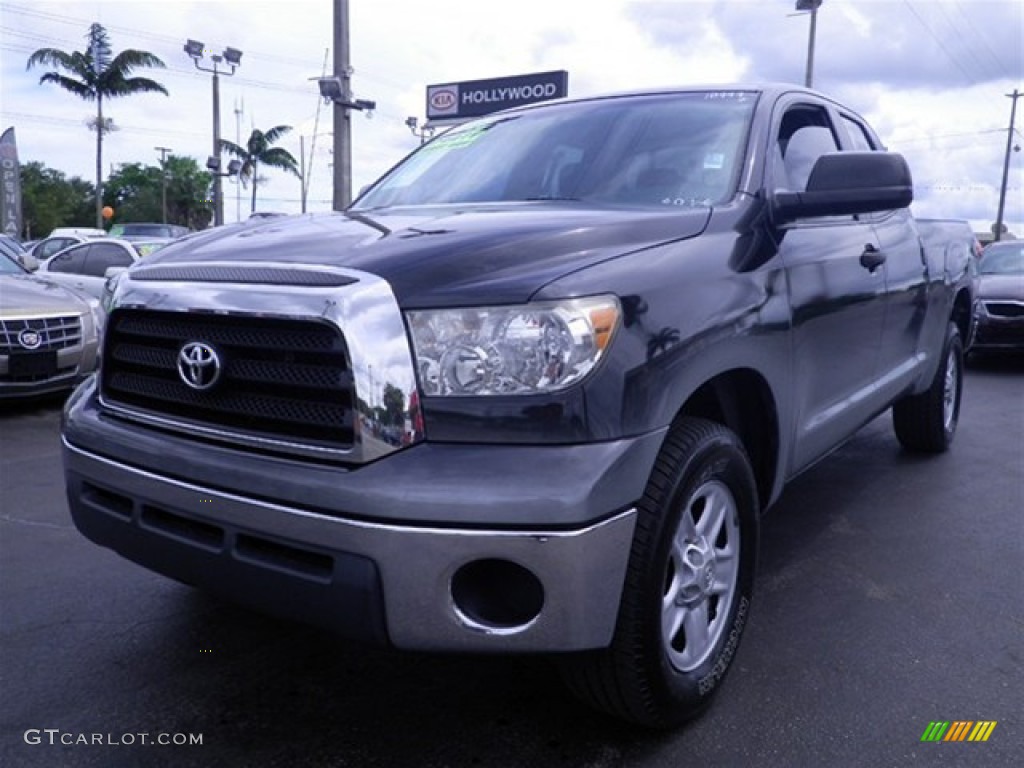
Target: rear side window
column 859, row 139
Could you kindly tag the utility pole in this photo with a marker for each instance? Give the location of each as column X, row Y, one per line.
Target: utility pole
column 998, row 226
column 342, row 123
column 163, row 180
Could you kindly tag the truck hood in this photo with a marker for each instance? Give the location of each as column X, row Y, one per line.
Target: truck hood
column 26, row 296
column 447, row 255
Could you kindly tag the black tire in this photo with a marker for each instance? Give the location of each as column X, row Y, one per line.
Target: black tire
column 642, row 678
column 926, row 423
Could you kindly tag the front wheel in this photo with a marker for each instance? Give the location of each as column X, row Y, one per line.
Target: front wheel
column 926, row 422
column 688, row 586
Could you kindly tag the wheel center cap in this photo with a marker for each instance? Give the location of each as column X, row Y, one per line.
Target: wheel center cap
column 700, row 561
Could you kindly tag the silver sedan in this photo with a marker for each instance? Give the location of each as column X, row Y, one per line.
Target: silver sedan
column 87, row 265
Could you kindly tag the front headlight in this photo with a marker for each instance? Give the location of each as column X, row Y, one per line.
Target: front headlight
column 528, row 349
column 99, row 316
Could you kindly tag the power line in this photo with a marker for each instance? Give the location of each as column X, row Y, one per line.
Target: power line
column 169, row 39
column 945, row 50
column 968, row 49
column 921, row 139
column 984, row 40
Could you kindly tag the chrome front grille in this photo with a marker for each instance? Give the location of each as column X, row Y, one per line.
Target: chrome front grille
column 282, row 381
column 54, row 333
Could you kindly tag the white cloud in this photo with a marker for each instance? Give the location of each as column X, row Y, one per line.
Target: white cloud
column 922, row 71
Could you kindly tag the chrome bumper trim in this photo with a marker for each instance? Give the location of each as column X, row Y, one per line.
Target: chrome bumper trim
column 582, row 571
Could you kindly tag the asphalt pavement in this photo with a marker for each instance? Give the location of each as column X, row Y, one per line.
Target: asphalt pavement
column 889, row 596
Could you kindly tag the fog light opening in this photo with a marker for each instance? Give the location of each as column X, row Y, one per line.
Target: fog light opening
column 497, row 594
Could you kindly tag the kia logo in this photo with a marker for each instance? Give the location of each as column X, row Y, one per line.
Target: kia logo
column 443, row 99
column 199, row 365
column 30, row 339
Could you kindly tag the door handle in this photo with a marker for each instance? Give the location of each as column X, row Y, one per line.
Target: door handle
column 872, row 258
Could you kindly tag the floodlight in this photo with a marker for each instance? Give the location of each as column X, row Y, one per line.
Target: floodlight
column 194, row 48
column 330, row 88
column 232, row 56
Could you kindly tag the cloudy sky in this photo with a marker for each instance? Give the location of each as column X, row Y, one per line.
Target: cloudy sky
column 930, row 75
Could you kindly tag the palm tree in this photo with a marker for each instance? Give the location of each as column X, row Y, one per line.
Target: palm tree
column 94, row 75
column 258, row 151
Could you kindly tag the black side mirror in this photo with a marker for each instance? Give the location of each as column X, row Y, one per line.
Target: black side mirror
column 845, row 183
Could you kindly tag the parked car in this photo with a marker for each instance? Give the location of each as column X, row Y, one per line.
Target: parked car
column 1000, row 310
column 11, row 248
column 48, row 246
column 532, row 391
column 82, row 231
column 85, row 266
column 49, row 334
column 147, row 231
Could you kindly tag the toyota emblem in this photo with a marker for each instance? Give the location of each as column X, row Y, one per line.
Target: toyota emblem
column 199, row 365
column 30, row 339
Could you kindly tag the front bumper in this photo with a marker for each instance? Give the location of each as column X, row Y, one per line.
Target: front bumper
column 365, row 573
column 74, row 365
column 997, row 332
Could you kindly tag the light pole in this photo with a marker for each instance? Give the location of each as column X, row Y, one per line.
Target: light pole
column 232, row 57
column 163, row 181
column 812, row 6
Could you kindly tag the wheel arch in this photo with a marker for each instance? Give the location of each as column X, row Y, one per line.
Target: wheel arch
column 742, row 400
column 963, row 315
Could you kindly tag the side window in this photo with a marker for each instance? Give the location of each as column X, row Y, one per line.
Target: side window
column 859, row 139
column 104, row 255
column 805, row 134
column 53, row 245
column 71, row 261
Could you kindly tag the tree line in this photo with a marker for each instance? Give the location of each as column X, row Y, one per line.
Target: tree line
column 50, row 198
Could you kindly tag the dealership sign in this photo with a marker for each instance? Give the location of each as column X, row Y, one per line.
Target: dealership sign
column 473, row 98
column 10, row 185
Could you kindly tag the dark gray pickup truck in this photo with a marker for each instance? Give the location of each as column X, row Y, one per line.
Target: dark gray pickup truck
column 534, row 389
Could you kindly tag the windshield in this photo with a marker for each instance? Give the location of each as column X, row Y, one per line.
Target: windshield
column 651, row 151
column 8, row 266
column 1002, row 259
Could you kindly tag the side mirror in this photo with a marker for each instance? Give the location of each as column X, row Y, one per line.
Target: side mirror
column 29, row 262
column 846, row 183
column 114, row 271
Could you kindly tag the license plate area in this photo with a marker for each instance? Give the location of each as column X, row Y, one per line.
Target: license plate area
column 32, row 363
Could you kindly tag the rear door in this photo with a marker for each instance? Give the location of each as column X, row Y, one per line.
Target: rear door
column 67, row 266
column 836, row 291
column 900, row 352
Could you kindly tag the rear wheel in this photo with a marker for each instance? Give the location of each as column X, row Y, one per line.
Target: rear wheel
column 926, row 423
column 688, row 586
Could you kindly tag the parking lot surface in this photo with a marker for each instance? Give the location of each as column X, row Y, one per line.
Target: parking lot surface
column 889, row 596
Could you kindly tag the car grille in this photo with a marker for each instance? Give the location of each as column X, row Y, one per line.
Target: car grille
column 1005, row 308
column 282, row 381
column 55, row 333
